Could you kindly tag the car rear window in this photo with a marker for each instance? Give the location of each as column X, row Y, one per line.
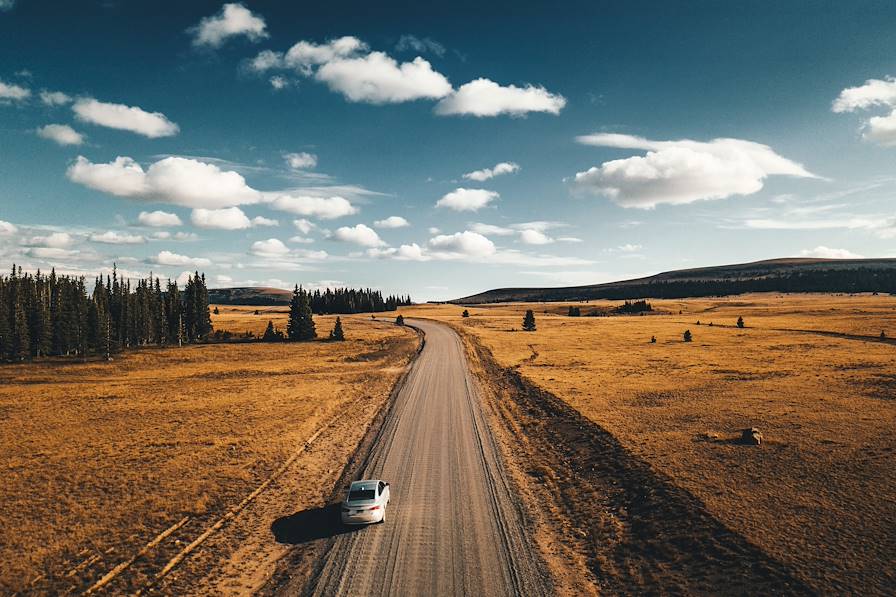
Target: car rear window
column 358, row 495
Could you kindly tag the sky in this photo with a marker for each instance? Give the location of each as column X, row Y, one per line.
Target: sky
column 442, row 150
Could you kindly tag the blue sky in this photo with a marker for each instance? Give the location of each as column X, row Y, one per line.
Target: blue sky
column 442, row 150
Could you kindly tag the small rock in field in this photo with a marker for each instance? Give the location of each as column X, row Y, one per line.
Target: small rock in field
column 751, row 437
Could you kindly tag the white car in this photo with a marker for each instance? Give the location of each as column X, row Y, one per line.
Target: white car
column 366, row 502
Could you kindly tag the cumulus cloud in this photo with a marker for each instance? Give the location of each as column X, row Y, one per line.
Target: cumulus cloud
column 302, row 240
column 10, row 92
column 271, row 247
column 467, row 243
column 823, row 252
column 377, row 78
column 392, row 222
column 173, row 259
column 176, row 180
column 55, row 240
column 301, row 160
column 305, row 54
column 126, row 118
column 112, row 237
column 222, row 279
column 263, row 221
column 326, row 208
column 278, row 82
column 483, row 97
column 158, row 218
column 488, row 173
column 7, row 228
column 360, row 235
column 228, row 218
column 462, row 199
column 873, row 93
column 233, row 20
column 61, row 134
column 54, row 98
column 52, row 253
column 684, row 171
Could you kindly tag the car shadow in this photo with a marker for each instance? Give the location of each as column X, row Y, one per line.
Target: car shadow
column 309, row 525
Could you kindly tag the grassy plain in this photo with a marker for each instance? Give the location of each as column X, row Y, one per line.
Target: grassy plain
column 809, row 371
column 98, row 458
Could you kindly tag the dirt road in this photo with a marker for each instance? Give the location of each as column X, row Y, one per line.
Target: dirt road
column 454, row 525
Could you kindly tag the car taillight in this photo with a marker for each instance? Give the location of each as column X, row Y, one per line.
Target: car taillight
column 375, row 508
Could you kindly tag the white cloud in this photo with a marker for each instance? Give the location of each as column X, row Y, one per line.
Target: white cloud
column 569, row 239
column 52, row 253
column 228, row 218
column 56, row 240
column 7, row 4
column 487, row 173
column 304, row 226
column 461, row 199
column 233, row 20
column 326, row 208
column 434, row 230
column 54, row 98
column 629, row 248
column 173, row 259
column 265, row 61
column 158, row 218
column 483, row 97
column 222, row 279
column 112, row 237
column 535, row 237
column 62, row 134
column 302, row 240
column 679, row 172
column 278, row 82
column 467, row 244
column 392, row 222
column 378, row 79
column 875, row 92
column 126, row 118
column 305, row 54
column 7, row 228
column 823, row 252
column 481, row 228
column 10, row 92
column 359, row 235
column 271, row 247
column 181, row 181
column 262, row 221
column 301, row 161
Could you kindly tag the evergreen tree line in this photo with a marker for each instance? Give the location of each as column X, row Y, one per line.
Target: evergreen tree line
column 43, row 315
column 349, row 300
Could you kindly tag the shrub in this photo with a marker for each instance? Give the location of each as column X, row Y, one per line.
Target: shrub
column 399, row 320
column 529, row 321
column 465, row 313
column 653, row 339
column 740, row 322
column 272, row 334
column 574, row 311
column 687, row 336
column 216, row 312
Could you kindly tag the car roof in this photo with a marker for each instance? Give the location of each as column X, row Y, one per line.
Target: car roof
column 364, row 484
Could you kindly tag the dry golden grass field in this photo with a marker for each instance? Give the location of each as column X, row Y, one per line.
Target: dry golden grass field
column 98, row 458
column 809, row 371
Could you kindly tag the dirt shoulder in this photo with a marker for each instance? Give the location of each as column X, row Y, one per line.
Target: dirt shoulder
column 602, row 514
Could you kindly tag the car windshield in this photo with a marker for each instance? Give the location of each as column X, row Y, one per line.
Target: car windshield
column 359, row 495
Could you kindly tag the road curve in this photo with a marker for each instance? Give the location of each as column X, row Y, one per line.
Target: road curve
column 454, row 526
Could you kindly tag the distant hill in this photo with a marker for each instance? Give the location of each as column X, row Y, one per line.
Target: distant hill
column 249, row 296
column 775, row 275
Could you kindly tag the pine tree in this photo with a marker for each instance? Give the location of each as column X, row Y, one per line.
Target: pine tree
column 399, row 320
column 300, row 326
column 337, row 333
column 529, row 321
column 740, row 322
column 465, row 313
column 687, row 336
column 21, row 340
column 271, row 334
